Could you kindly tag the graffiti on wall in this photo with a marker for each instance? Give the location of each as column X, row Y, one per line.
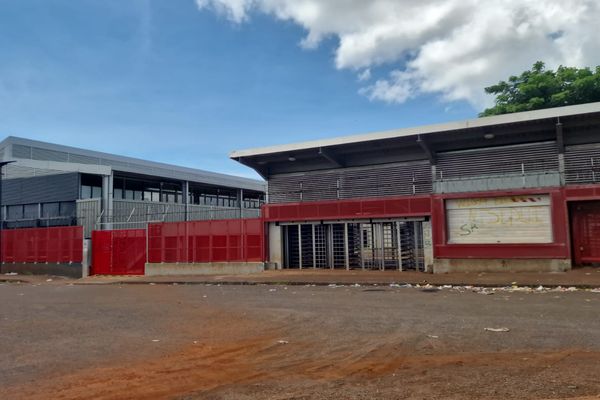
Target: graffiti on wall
column 508, row 219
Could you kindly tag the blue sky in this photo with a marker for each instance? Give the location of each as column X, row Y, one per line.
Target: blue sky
column 167, row 81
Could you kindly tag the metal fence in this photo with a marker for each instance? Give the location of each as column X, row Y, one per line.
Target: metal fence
column 131, row 214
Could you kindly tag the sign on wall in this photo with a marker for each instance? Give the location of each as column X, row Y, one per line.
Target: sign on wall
column 493, row 220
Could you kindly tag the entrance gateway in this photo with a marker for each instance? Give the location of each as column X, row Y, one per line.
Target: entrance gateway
column 382, row 244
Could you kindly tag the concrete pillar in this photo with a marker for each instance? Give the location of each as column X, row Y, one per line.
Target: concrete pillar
column 561, row 168
column 185, row 192
column 240, row 196
column 275, row 256
column 427, row 246
column 107, row 200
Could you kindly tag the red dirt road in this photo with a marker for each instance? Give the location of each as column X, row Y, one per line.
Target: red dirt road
column 264, row 342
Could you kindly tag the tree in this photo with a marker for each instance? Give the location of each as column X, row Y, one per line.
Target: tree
column 540, row 88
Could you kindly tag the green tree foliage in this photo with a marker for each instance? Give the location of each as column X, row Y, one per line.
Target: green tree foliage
column 541, row 88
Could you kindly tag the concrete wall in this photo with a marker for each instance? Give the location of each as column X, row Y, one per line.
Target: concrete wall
column 74, row 270
column 441, row 266
column 217, row 268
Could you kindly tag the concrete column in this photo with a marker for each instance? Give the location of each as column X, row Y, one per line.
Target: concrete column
column 240, row 196
column 107, row 200
column 427, row 246
column 185, row 192
column 275, row 256
column 561, row 168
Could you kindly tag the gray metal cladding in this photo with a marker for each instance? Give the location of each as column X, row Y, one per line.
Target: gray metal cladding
column 20, row 151
column 41, row 189
column 497, row 161
column 582, row 163
column 49, row 155
column 347, row 183
column 82, row 159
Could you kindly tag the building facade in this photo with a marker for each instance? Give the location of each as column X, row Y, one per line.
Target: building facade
column 55, row 185
column 517, row 192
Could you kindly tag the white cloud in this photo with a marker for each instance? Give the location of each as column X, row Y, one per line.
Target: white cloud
column 453, row 48
column 365, row 75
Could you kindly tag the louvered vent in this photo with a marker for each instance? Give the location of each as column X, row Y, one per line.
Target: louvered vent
column 347, row 183
column 498, row 161
column 582, row 163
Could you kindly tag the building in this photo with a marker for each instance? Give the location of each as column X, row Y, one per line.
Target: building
column 55, row 185
column 517, row 192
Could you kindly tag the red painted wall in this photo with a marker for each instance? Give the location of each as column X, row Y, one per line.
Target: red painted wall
column 43, row 245
column 433, row 206
column 406, row 206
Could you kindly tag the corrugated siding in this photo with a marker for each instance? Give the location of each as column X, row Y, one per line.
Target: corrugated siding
column 535, row 157
column 347, row 183
column 42, row 189
column 511, row 219
column 582, row 163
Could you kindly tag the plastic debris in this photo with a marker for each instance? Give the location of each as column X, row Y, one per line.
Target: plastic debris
column 156, row 340
column 11, row 273
column 496, row 329
column 282, row 342
column 433, row 336
column 49, row 280
column 272, row 290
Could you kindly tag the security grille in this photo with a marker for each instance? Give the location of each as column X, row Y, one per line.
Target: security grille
column 307, row 244
column 320, row 239
column 338, row 248
column 387, row 245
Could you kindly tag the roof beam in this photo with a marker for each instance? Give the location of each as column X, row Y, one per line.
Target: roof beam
column 263, row 171
column 325, row 153
column 428, row 151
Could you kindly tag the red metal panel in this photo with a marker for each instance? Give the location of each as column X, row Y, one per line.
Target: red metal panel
column 206, row 241
column 404, row 206
column 62, row 244
column 586, row 232
column 582, row 192
column 101, row 253
column 119, row 252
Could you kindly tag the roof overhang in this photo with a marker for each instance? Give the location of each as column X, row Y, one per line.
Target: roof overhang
column 421, row 143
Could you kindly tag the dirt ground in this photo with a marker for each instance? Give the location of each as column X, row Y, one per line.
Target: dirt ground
column 65, row 341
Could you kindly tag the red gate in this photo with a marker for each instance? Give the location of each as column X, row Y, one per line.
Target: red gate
column 119, row 252
column 586, row 232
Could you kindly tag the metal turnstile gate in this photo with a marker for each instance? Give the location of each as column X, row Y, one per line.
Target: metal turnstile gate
column 380, row 245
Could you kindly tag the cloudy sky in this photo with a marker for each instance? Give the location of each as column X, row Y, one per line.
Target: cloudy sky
column 187, row 81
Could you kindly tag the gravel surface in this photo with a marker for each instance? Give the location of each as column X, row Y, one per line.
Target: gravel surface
column 67, row 341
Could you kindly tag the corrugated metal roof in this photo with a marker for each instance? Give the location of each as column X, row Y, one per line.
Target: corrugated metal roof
column 33, row 149
column 427, row 129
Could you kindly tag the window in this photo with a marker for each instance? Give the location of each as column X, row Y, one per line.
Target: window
column 86, row 192
column 30, row 211
column 96, row 192
column 118, row 194
column 67, row 209
column 50, row 210
column 14, row 212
